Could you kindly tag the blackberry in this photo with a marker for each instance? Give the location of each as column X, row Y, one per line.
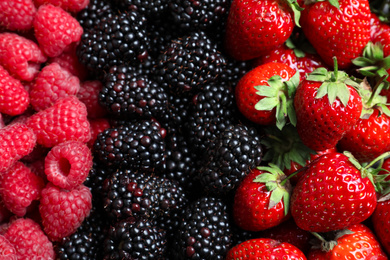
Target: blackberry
column 177, row 112
column 235, row 70
column 150, row 8
column 212, row 111
column 96, row 10
column 115, row 40
column 128, row 92
column 136, row 194
column 204, row 231
column 198, row 15
column 237, row 151
column 86, row 242
column 134, row 239
column 96, row 177
column 187, row 63
column 135, row 145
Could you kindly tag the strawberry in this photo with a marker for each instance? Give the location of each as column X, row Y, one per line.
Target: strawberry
column 327, row 106
column 254, row 28
column 356, row 242
column 264, row 94
column 381, row 222
column 337, row 28
column 264, row 248
column 261, row 200
column 333, row 194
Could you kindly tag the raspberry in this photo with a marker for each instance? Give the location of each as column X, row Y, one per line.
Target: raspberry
column 52, row 83
column 63, row 211
column 20, row 56
column 66, row 120
column 15, row 98
column 67, row 164
column 98, row 125
column 7, row 250
column 16, row 141
column 17, row 14
column 19, row 187
column 89, row 95
column 73, row 6
column 69, row 61
column 55, row 29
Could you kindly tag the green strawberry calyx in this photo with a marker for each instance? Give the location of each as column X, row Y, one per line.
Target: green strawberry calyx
column 279, row 94
column 334, row 83
column 284, row 147
column 296, row 9
column 335, row 3
column 277, row 183
column 328, row 244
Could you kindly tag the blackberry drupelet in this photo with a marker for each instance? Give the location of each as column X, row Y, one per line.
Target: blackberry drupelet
column 136, row 144
column 96, row 10
column 237, row 151
column 204, row 231
column 235, row 70
column 117, row 39
column 136, row 194
column 86, row 242
column 212, row 111
column 150, row 8
column 96, row 177
column 134, row 239
column 198, row 15
column 129, row 92
column 187, row 63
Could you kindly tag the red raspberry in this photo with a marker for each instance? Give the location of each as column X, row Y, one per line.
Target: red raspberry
column 52, row 83
column 7, row 250
column 17, row 14
column 98, row 125
column 89, row 95
column 63, row 211
column 70, row 61
column 19, row 187
column 15, row 98
column 67, row 164
column 72, row 6
column 16, row 141
column 55, row 29
column 20, row 56
column 38, row 168
column 66, row 120
column 29, row 240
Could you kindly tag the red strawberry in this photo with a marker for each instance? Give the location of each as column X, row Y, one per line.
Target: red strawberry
column 261, row 200
column 327, row 106
column 264, row 94
column 381, row 222
column 356, row 242
column 338, row 29
column 256, row 27
column 264, row 248
column 332, row 194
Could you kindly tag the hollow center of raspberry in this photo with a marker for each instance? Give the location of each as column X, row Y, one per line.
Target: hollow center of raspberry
column 64, row 166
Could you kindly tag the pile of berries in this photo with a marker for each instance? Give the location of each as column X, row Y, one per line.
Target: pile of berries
column 181, row 129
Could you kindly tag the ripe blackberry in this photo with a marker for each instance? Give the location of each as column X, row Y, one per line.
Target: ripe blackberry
column 235, row 70
column 134, row 239
column 204, row 231
column 86, row 242
column 194, row 15
column 212, row 111
column 117, row 39
column 96, row 177
column 96, row 10
column 130, row 93
column 150, row 8
column 136, row 194
column 177, row 113
column 137, row 144
column 188, row 63
column 237, row 151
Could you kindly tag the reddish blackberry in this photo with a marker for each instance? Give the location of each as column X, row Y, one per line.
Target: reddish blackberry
column 187, row 63
column 204, row 231
column 128, row 92
column 212, row 111
column 96, row 10
column 138, row 144
column 195, row 15
column 150, row 8
column 136, row 194
column 237, row 151
column 117, row 39
column 134, row 239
